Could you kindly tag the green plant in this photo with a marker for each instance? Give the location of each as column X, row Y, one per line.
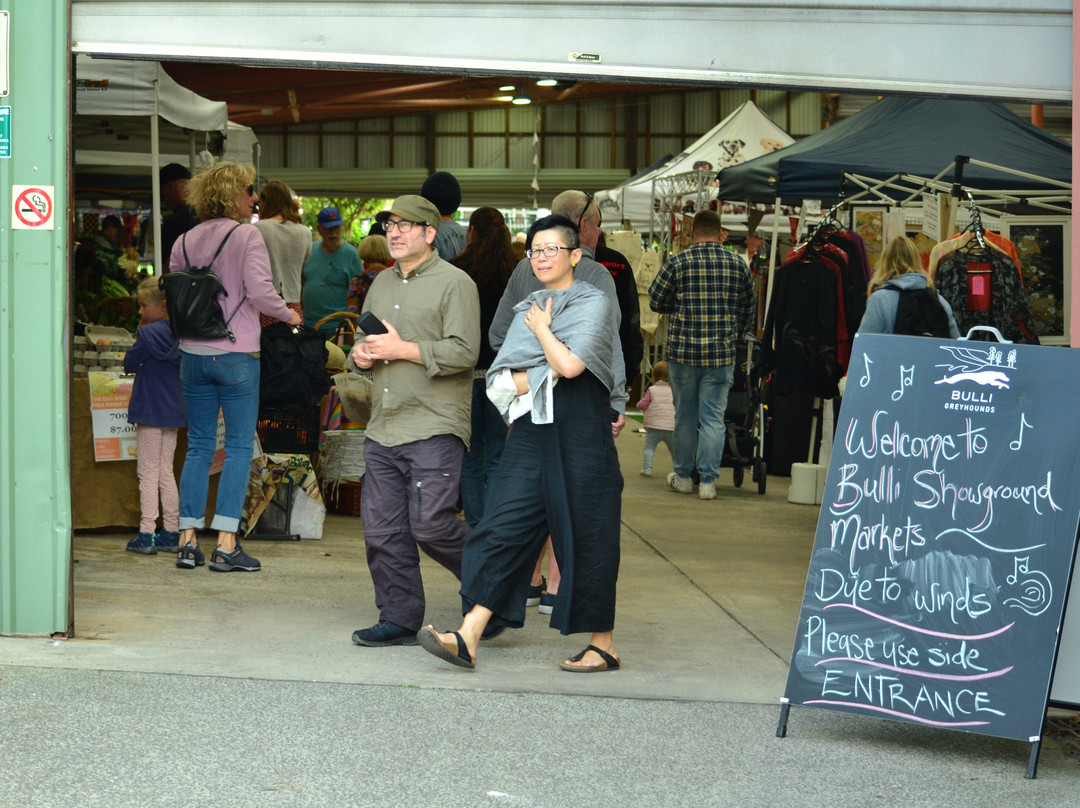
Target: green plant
column 358, row 213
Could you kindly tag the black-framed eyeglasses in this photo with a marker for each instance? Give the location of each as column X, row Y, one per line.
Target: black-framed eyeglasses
column 550, row 251
column 250, row 190
column 403, row 226
column 588, row 201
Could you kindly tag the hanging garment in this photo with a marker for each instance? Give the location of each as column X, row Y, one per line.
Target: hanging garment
column 984, row 288
column 800, row 347
column 943, row 250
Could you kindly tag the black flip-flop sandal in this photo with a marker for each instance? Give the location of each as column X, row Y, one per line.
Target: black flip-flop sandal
column 610, row 663
column 429, row 640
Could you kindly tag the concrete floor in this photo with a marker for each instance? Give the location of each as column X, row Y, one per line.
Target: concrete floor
column 261, row 667
column 709, row 597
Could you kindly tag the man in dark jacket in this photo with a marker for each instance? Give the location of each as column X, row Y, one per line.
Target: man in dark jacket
column 633, row 346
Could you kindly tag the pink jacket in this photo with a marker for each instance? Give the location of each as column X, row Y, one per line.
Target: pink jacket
column 658, row 406
column 244, row 269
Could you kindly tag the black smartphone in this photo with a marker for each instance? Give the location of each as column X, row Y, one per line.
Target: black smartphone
column 370, row 324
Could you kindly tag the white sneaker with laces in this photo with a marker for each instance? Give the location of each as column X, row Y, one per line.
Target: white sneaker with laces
column 707, row 490
column 680, row 484
column 646, row 472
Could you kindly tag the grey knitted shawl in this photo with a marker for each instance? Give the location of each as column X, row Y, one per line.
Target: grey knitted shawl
column 580, row 320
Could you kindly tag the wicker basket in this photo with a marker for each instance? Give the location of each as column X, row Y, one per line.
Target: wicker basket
column 343, row 497
column 345, row 334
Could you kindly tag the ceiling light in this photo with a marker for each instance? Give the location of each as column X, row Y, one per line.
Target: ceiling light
column 547, row 82
column 504, row 98
column 507, row 88
column 521, row 99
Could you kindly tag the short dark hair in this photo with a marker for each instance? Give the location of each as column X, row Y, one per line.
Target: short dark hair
column 707, row 222
column 558, row 222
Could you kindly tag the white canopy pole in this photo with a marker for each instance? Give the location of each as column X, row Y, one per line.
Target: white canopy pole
column 155, row 188
column 772, row 254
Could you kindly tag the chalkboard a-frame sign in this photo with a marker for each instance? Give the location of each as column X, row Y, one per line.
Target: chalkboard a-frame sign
column 945, row 542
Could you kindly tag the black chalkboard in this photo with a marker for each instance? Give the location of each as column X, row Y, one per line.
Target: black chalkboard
column 946, row 536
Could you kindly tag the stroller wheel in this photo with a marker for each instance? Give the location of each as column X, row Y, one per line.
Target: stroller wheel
column 760, row 475
column 737, row 475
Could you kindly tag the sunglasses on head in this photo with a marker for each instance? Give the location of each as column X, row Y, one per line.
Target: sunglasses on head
column 588, row 201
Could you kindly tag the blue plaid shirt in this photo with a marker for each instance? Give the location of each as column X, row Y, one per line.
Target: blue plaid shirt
column 709, row 294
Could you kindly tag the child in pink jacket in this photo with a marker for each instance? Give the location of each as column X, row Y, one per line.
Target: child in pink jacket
column 659, row 412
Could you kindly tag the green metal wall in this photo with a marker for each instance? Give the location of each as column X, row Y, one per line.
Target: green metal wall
column 35, row 494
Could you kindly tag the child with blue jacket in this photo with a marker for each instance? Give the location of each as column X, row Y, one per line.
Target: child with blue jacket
column 157, row 409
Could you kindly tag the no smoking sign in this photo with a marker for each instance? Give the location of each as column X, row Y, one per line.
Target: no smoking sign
column 33, row 207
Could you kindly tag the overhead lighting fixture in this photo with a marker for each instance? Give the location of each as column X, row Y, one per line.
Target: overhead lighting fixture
column 547, row 82
column 504, row 98
column 507, row 88
column 521, row 99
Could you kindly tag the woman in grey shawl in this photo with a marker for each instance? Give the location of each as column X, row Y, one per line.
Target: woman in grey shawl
column 559, row 472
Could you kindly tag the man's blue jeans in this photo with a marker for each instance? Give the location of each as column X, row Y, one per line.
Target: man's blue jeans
column 229, row 382
column 700, row 395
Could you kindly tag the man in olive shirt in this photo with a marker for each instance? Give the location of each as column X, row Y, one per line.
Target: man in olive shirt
column 420, row 417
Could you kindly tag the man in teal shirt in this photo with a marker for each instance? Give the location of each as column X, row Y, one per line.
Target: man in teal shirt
column 326, row 275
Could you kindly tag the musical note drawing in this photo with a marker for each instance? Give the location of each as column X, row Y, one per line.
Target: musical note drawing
column 907, row 378
column 1036, row 589
column 1016, row 444
column 865, row 380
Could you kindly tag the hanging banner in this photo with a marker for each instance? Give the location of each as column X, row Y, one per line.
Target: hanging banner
column 114, row 437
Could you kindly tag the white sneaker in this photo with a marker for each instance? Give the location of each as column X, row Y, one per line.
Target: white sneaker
column 707, row 490
column 646, row 472
column 681, row 484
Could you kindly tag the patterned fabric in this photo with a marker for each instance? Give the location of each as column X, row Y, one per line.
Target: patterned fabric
column 709, row 294
column 1006, row 306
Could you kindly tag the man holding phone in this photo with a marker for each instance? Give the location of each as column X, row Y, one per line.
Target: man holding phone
column 422, row 366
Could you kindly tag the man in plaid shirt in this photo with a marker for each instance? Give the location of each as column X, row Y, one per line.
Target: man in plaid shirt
column 709, row 295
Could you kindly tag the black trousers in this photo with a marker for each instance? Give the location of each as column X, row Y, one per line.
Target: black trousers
column 561, row 479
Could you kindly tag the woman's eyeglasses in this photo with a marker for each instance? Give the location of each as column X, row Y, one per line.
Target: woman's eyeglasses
column 550, row 251
column 250, row 190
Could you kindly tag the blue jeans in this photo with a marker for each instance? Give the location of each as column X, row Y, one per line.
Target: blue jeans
column 485, row 448
column 229, row 382
column 700, row 395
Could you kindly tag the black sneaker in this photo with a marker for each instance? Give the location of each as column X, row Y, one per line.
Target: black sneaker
column 547, row 603
column 535, row 592
column 189, row 556
column 384, row 633
column 236, row 561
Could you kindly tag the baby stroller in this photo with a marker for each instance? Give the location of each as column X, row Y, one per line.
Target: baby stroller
column 744, row 418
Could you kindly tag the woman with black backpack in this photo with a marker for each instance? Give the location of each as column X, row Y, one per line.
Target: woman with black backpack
column 222, row 373
column 903, row 299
